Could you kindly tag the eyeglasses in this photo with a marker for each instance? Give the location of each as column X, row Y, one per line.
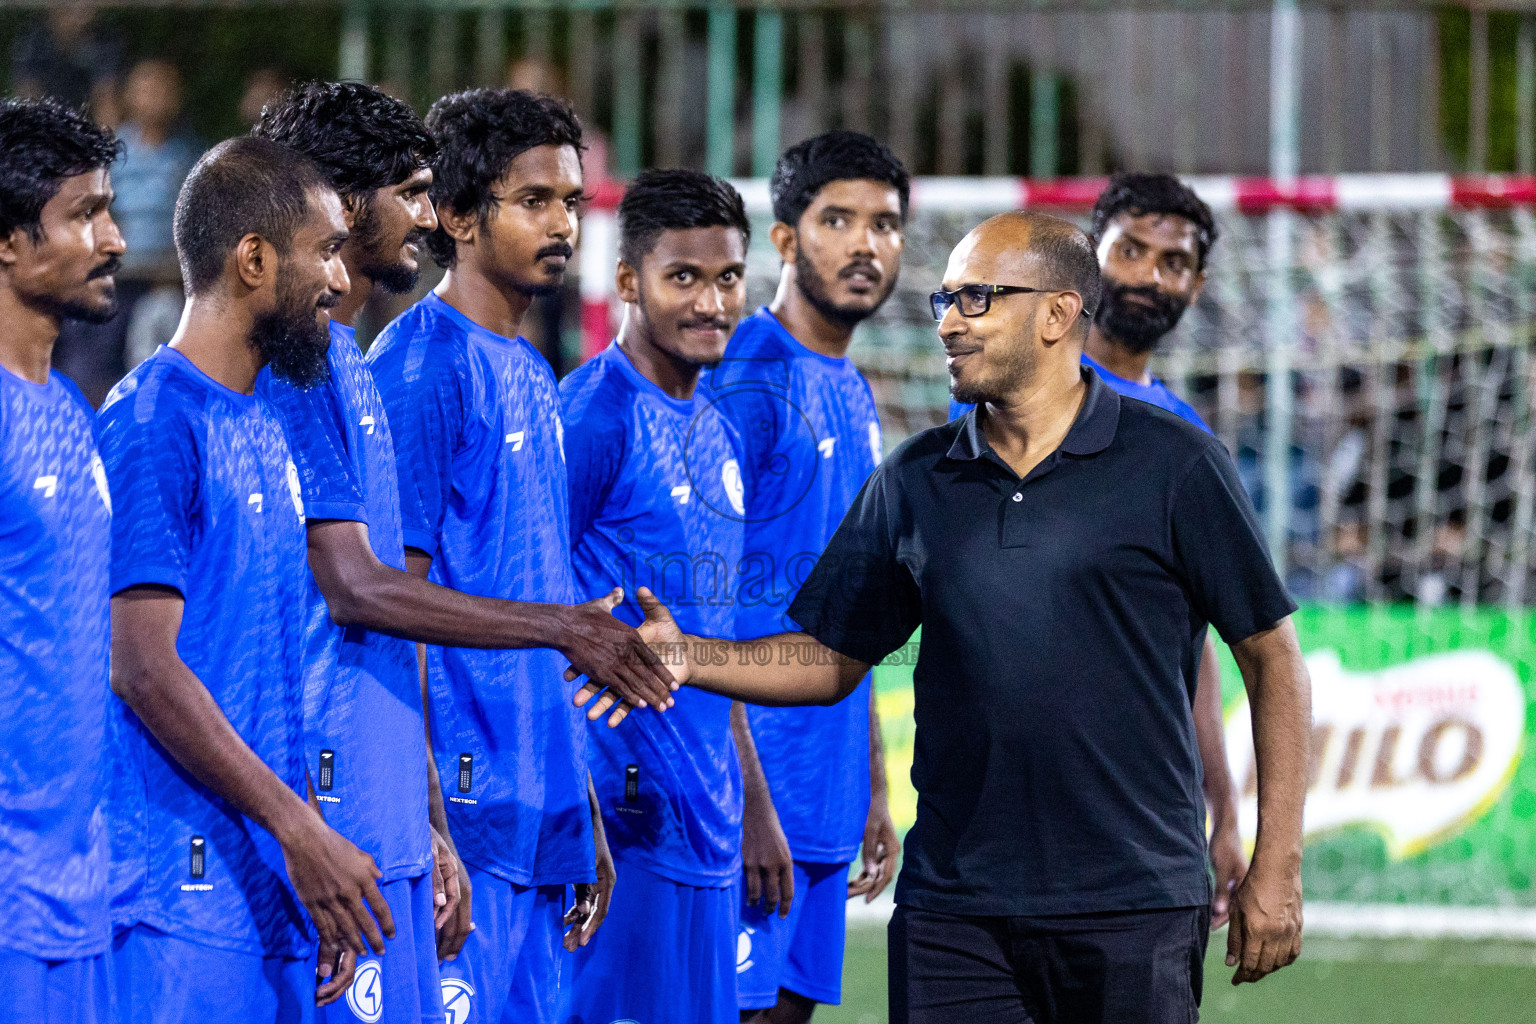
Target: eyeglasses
column 973, row 299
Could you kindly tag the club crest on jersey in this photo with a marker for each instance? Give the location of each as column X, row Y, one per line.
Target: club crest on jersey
column 457, row 994
column 365, row 997
column 294, row 490
column 744, row 950
column 99, row 477
column 735, row 492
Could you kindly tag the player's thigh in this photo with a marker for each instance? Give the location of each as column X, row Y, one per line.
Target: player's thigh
column 815, row 963
column 763, row 942
column 75, row 991
column 477, row 983
column 1134, row 968
column 162, row 979
column 945, row 968
column 402, row 985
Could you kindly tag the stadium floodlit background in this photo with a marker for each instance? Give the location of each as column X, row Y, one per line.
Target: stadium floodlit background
column 1363, row 346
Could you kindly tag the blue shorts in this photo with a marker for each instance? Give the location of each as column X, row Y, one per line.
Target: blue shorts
column 510, row 970
column 400, row 987
column 167, row 980
column 664, row 955
column 55, row 991
column 802, row 952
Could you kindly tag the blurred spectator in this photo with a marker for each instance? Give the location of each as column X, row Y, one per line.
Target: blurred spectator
column 262, row 86
column 157, row 156
column 67, row 56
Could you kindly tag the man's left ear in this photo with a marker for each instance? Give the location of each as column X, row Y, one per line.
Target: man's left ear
column 8, row 248
column 1061, row 316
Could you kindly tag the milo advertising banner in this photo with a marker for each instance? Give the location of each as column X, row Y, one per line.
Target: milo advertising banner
column 1421, row 803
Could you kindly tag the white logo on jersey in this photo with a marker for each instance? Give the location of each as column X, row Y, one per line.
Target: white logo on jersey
column 682, row 492
column 559, row 435
column 366, row 994
column 294, row 490
column 744, row 950
column 825, row 447
column 515, row 439
column 99, row 475
column 49, row 485
column 730, row 475
column 874, row 441
column 456, row 1000
column 366, row 421
column 254, row 499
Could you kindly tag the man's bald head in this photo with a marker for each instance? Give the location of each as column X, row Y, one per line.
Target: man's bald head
column 1050, row 253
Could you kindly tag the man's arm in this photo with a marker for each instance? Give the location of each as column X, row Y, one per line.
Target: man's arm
column 362, row 591
column 766, row 861
column 592, row 898
column 1228, row 860
column 334, row 880
column 798, row 669
column 1266, row 909
column 881, row 846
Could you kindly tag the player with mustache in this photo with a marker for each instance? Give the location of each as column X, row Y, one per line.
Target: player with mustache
column 1153, row 235
column 811, row 433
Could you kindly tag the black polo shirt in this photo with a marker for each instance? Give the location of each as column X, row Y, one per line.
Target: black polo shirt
column 1063, row 617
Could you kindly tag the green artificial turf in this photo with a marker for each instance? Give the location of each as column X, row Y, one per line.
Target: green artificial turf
column 1336, row 982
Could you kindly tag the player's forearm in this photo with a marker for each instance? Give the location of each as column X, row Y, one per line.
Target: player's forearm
column 1280, row 696
column 877, row 783
column 785, row 670
column 1219, row 794
column 175, row 706
column 754, row 783
column 437, row 812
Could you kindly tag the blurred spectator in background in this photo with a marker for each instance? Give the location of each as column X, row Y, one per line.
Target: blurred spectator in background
column 156, row 157
column 262, row 86
column 65, row 54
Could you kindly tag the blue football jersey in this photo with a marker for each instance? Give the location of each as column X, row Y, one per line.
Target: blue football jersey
column 658, row 501
column 206, row 500
column 478, row 444
column 55, row 536
column 363, row 729
column 811, row 436
column 1156, row 393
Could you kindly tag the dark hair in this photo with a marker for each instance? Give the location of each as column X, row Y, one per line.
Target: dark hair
column 361, row 139
column 1140, row 194
column 675, row 200
column 241, row 186
column 45, row 142
column 810, row 166
column 479, row 133
column 1069, row 260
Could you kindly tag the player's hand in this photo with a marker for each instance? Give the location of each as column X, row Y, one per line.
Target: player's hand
column 1266, row 923
column 612, row 655
column 1230, row 865
column 765, row 856
column 452, row 928
column 337, row 883
column 663, row 639
column 333, row 973
column 445, row 881
column 881, row 849
column 592, row 901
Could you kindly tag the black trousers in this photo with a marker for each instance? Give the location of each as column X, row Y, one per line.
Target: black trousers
column 1143, row 967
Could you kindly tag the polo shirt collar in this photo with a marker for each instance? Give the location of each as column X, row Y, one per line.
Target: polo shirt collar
column 1091, row 432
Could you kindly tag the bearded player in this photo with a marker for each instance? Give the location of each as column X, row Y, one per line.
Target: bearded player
column 807, row 420
column 58, row 251
column 1153, row 235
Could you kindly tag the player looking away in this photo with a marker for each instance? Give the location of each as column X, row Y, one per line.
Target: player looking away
column 807, row 421
column 1063, row 550
column 478, row 446
column 658, row 501
column 1153, row 236
column 364, row 609
column 58, row 251
column 214, row 844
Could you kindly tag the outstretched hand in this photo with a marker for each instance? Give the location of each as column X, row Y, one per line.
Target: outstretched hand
column 614, row 658
column 661, row 638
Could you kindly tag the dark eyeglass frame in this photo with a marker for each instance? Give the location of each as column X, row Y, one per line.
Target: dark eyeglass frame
column 940, row 301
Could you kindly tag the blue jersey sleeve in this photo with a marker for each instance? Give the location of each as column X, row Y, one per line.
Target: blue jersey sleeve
column 595, row 444
column 425, row 405
column 152, row 463
column 317, row 437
